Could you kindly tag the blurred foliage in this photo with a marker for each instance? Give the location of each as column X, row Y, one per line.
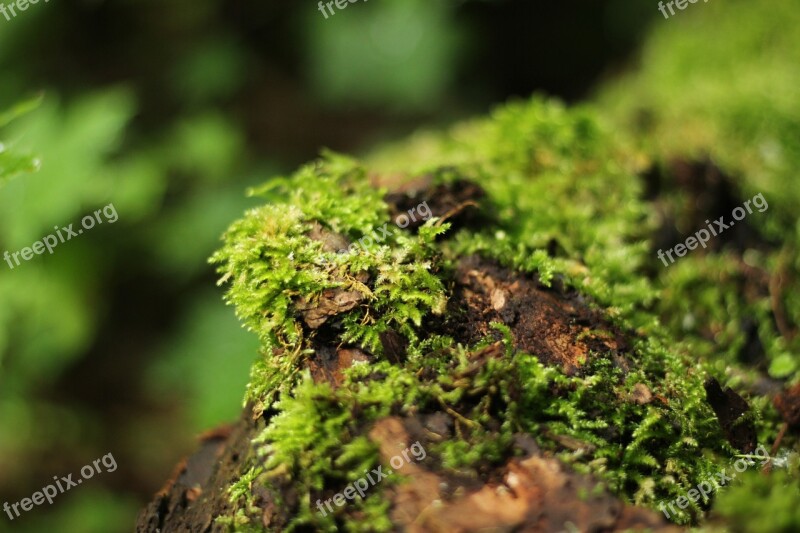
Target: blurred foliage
column 398, row 54
column 109, row 344
column 11, row 162
column 54, row 305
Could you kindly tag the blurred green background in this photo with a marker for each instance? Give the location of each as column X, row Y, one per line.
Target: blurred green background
column 119, row 342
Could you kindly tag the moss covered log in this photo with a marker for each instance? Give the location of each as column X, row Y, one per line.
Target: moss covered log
column 493, row 295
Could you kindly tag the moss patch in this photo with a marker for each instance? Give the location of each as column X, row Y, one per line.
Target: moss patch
column 534, row 304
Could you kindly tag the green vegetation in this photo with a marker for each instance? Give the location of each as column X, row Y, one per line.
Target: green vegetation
column 119, row 341
column 271, row 261
column 566, row 200
column 729, row 95
column 54, row 307
column 13, row 163
column 758, row 500
column 647, row 452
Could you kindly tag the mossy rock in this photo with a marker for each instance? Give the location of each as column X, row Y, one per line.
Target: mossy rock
column 490, row 301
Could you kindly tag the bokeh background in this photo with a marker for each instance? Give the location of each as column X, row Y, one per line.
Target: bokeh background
column 120, row 342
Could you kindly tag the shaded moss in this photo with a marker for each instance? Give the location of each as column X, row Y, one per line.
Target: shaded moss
column 724, row 85
column 758, row 501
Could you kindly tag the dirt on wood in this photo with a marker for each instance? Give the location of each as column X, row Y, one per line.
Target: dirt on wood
column 197, row 491
column 531, row 493
column 554, row 324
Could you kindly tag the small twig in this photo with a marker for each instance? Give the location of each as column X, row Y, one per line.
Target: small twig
column 768, row 468
column 779, row 438
column 457, row 415
column 456, row 210
column 776, row 284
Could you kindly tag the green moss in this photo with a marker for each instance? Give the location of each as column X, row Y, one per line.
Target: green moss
column 645, row 452
column 724, row 84
column 270, row 261
column 757, row 501
column 648, row 452
column 241, row 496
column 565, row 200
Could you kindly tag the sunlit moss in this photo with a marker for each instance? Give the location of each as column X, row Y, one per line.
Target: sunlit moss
column 565, row 201
column 644, row 452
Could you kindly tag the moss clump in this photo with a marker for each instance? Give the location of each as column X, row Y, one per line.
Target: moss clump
column 317, row 443
column 646, row 452
column 576, row 201
column 271, row 261
column 724, row 86
column 757, row 500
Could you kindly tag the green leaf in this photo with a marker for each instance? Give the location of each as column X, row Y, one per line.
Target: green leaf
column 20, row 109
column 782, row 366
